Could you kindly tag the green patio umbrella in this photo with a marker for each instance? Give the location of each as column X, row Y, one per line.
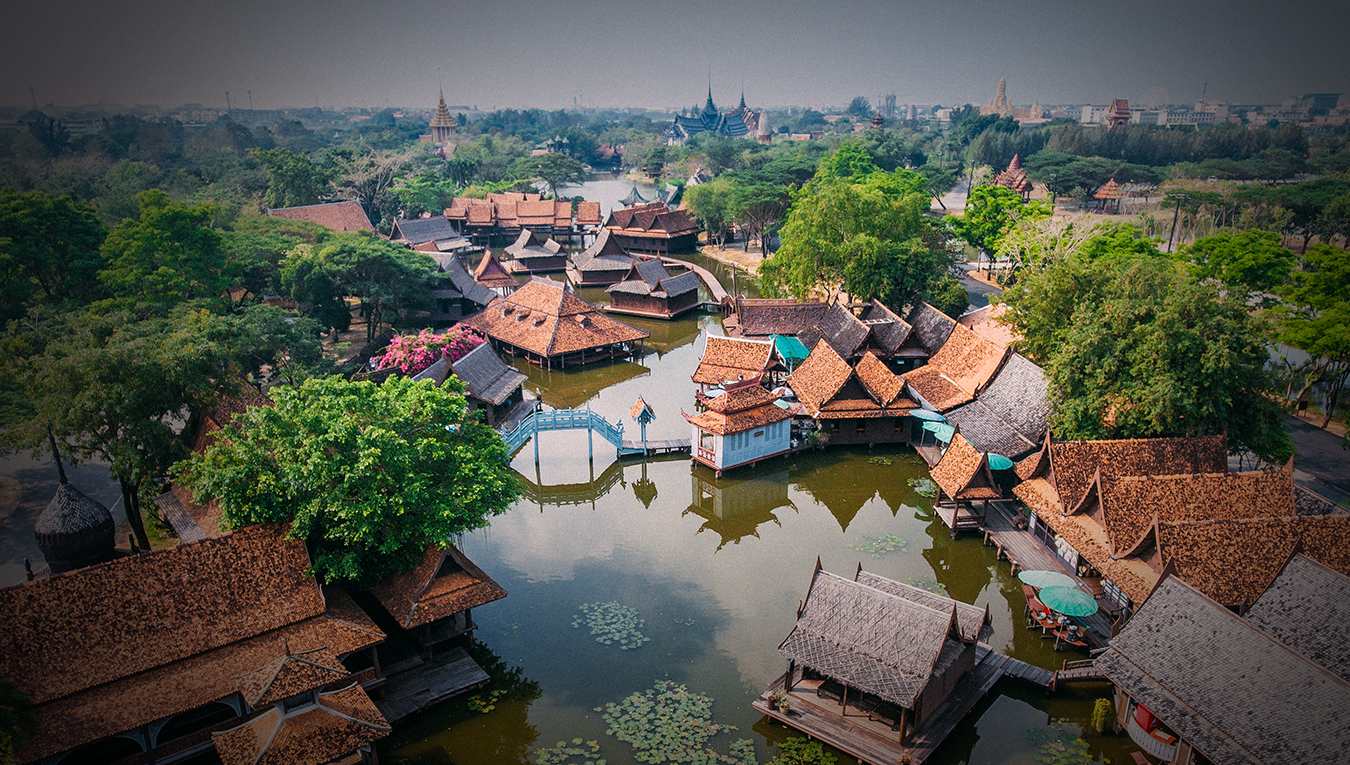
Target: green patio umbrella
column 941, row 430
column 998, row 461
column 1042, row 578
column 1069, row 601
column 924, row 414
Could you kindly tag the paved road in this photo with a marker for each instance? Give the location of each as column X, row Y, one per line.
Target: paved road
column 979, row 291
column 1319, row 454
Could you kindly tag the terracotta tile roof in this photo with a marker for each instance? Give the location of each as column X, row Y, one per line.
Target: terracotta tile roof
column 778, row 317
column 338, row 216
column 291, row 674
column 740, row 420
column 739, row 399
column 1130, row 504
column 884, row 385
column 480, row 213
column 204, row 595
column 588, row 213
column 931, row 326
column 505, row 214
column 963, row 472
column 1133, row 576
column 984, row 322
column 339, row 724
column 639, row 407
column 1075, row 462
column 1233, row 561
column 544, row 318
column 490, row 273
column 458, row 209
column 820, row 377
column 728, row 358
column 562, row 214
column 436, row 588
column 537, row 213
column 929, row 384
column 968, row 359
column 889, row 331
column 651, row 219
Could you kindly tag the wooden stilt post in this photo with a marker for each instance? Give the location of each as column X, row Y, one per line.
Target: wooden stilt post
column 843, row 702
column 902, row 724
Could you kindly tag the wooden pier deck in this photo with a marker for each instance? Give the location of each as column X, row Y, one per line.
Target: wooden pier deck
column 655, row 446
column 960, row 518
column 424, row 684
column 873, row 741
column 1026, row 553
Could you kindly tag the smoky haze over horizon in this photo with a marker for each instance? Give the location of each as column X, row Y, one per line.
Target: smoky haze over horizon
column 608, row 53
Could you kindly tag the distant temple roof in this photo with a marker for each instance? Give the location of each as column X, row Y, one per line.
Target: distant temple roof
column 338, row 216
column 729, row 125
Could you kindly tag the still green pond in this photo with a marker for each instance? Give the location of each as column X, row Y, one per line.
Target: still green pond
column 647, row 598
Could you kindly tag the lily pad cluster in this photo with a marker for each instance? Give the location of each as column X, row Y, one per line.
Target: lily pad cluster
column 924, row 487
column 611, row 623
column 879, row 546
column 670, row 723
column 880, row 460
column 485, row 703
column 577, row 753
column 933, row 586
column 1060, row 746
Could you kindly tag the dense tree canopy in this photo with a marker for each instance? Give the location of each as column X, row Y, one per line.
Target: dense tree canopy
column 368, row 475
column 990, row 212
column 387, row 277
column 49, row 252
column 292, row 179
column 1246, row 261
column 555, row 170
column 1315, row 318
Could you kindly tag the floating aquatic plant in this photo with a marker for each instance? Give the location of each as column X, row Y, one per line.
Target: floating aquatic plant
column 924, row 487
column 880, row 460
column 935, row 587
column 613, row 622
column 478, row 703
column 879, row 546
column 578, row 753
column 1060, row 747
column 670, row 723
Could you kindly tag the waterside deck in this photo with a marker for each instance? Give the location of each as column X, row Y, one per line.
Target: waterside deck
column 872, row 741
column 428, row 683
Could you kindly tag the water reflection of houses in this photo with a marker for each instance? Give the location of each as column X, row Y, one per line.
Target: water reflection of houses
column 734, row 508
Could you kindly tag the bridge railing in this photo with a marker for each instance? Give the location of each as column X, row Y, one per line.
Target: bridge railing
column 562, row 419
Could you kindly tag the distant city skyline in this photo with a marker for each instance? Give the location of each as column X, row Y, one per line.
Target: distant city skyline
column 610, row 54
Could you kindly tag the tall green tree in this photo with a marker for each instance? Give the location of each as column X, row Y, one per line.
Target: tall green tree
column 1249, row 261
column 367, row 475
column 49, row 252
column 292, row 179
column 710, row 204
column 758, row 207
column 555, row 170
column 990, row 212
column 1150, row 351
column 856, row 227
column 388, row 278
column 117, row 389
column 169, row 256
column 1315, row 318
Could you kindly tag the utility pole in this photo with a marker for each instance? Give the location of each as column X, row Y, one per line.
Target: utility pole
column 227, row 102
column 250, row 100
column 33, row 96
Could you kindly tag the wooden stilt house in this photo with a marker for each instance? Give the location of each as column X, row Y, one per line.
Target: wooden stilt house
column 535, row 253
column 963, row 477
column 648, row 289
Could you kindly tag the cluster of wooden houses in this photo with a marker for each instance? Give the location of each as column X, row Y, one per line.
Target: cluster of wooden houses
column 225, row 648
column 1169, row 542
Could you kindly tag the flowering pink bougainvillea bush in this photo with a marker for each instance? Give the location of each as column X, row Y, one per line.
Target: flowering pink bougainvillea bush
column 413, row 353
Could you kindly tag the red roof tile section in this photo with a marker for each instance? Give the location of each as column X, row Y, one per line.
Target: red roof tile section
column 443, row 584
column 963, row 473
column 338, row 216
column 337, row 725
column 729, row 358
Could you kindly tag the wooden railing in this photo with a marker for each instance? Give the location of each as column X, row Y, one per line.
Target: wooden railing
column 562, row 419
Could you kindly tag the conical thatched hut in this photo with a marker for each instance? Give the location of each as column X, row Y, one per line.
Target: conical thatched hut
column 74, row 531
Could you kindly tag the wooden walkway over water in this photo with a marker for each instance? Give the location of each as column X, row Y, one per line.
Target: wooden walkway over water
column 422, row 685
column 872, row 741
column 715, row 288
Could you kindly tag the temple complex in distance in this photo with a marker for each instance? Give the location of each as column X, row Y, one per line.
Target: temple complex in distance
column 742, row 122
column 442, row 125
column 1001, row 106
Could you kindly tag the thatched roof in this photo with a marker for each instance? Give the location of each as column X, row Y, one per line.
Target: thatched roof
column 869, row 639
column 1234, row 692
column 74, row 530
column 972, row 622
column 963, row 472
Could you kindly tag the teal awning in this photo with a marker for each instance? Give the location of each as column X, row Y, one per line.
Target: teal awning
column 941, row 430
column 926, row 414
column 998, row 461
column 790, row 349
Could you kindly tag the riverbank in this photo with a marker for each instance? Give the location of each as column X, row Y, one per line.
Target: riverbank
column 739, row 259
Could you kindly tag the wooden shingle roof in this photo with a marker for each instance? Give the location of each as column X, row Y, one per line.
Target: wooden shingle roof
column 337, row 216
column 738, row 410
column 338, row 724
column 846, row 333
column 968, row 359
column 829, row 388
column 486, row 376
column 889, row 331
column 963, row 472
column 869, row 639
column 490, row 273
column 1307, row 608
column 1234, row 692
column 604, row 254
column 531, row 245
column 422, row 230
column 932, row 386
column 729, row 358
column 985, row 323
column 778, row 317
column 972, row 622
column 443, row 584
column 930, row 326
column 1075, row 462
column 545, row 318
column 820, row 377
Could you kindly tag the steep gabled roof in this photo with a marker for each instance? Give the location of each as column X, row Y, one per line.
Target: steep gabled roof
column 988, row 432
column 532, row 245
column 604, row 254
column 1075, row 462
column 869, row 639
column 291, row 674
column 545, row 318
column 459, row 276
column 490, row 273
column 1307, row 608
column 1019, row 395
column 963, row 472
column 930, row 326
column 338, row 216
column 338, row 724
column 486, row 376
column 829, row 388
column 739, row 409
column 820, row 377
column 729, row 358
column 884, row 385
column 889, row 331
column 931, row 385
column 846, row 333
column 421, row 230
column 968, row 359
column 588, row 213
column 972, row 622
column 778, row 317
column 984, row 322
column 1231, row 690
column 443, row 584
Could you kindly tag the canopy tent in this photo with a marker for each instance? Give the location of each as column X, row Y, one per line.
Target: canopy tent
column 790, row 349
column 998, row 461
column 941, row 430
column 1069, row 601
column 925, row 414
column 1043, row 578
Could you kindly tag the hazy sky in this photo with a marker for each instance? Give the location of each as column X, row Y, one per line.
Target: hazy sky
column 514, row 53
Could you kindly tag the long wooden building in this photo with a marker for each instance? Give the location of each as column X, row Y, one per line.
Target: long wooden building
column 648, row 289
column 653, row 228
